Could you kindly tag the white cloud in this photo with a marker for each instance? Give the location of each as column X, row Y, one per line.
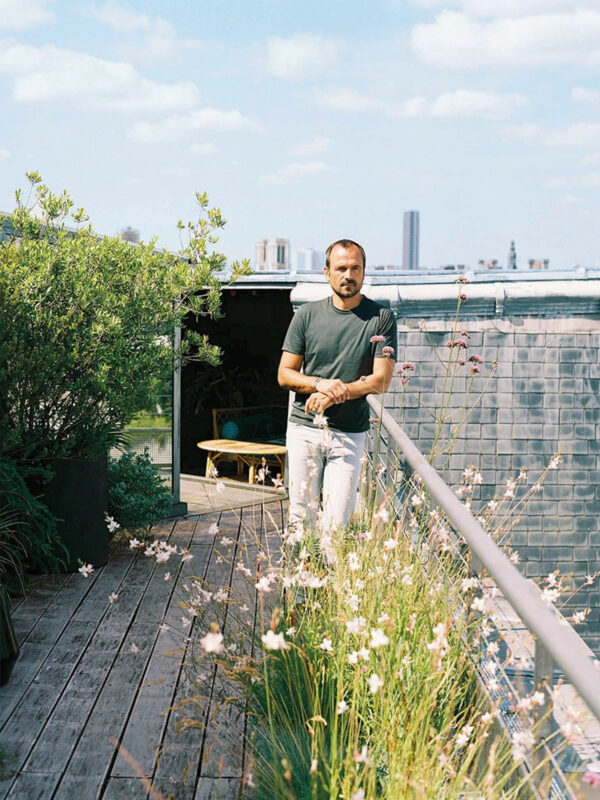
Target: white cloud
column 466, row 103
column 4, row 154
column 509, row 8
column 581, row 95
column 457, row 40
column 462, row 103
column 343, row 98
column 204, row 149
column 528, row 132
column 47, row 72
column 18, row 16
column 297, row 171
column 590, row 160
column 303, row 55
column 178, row 126
column 122, row 20
column 158, row 37
column 318, row 145
column 578, row 134
column 588, row 180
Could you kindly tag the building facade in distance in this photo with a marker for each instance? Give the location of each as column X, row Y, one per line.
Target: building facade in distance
column 273, row 255
column 308, row 260
column 541, row 263
column 129, row 235
column 410, row 251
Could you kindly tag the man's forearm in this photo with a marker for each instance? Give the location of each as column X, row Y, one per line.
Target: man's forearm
column 296, row 381
column 369, row 384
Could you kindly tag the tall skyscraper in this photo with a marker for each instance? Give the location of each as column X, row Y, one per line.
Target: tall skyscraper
column 512, row 256
column 410, row 252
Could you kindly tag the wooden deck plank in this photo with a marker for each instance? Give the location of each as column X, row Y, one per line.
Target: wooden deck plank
column 108, row 580
column 181, row 749
column 223, row 754
column 74, row 674
column 38, row 659
column 33, row 786
column 146, row 726
column 82, row 787
column 93, row 753
column 124, row 789
column 109, row 718
column 77, row 683
column 218, row 789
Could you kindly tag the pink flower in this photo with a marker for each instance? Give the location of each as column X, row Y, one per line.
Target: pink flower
column 387, row 351
column 462, row 297
column 407, row 365
column 377, row 338
column 476, row 359
column 474, row 370
column 593, row 778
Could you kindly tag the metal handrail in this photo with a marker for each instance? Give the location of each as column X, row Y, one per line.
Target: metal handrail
column 565, row 646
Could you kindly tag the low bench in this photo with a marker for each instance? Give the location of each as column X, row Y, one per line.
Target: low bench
column 249, row 453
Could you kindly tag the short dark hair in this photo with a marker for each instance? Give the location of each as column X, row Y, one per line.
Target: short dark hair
column 345, row 243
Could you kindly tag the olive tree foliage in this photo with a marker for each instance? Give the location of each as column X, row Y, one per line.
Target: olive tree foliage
column 87, row 322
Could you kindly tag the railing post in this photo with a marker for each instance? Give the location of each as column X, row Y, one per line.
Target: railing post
column 367, row 474
column 543, row 677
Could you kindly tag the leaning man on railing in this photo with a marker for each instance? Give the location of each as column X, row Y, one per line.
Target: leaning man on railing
column 336, row 352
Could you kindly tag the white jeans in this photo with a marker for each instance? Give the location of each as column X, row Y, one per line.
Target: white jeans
column 322, row 460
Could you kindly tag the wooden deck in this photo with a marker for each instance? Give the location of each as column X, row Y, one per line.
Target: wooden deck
column 78, row 687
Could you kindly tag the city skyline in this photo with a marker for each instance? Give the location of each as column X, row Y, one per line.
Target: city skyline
column 303, row 120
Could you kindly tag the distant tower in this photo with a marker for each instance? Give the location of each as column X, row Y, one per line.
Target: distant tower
column 273, row 254
column 410, row 253
column 512, row 256
column 129, row 235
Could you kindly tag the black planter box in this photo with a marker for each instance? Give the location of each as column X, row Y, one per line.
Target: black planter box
column 77, row 495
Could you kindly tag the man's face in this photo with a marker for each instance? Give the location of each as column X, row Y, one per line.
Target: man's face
column 346, row 272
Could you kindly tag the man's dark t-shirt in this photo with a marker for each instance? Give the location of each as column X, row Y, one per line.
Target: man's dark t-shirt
column 337, row 344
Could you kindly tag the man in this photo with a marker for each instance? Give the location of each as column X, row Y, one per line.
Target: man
column 336, row 352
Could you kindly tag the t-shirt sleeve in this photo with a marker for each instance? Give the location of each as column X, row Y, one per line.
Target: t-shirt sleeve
column 389, row 330
column 295, row 341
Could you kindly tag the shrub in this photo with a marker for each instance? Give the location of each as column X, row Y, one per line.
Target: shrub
column 137, row 495
column 87, row 322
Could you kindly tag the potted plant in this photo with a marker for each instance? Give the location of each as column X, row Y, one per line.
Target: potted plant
column 28, row 537
column 86, row 337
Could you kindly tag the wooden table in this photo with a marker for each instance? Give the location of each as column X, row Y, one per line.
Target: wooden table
column 249, row 453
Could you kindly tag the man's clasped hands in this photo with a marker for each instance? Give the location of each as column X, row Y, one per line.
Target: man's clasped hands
column 329, row 393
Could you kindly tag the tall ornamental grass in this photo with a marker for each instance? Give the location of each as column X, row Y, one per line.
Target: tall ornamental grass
column 358, row 671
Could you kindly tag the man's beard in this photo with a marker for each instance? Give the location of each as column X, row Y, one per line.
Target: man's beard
column 349, row 290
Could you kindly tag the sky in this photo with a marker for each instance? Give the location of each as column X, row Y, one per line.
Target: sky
column 315, row 120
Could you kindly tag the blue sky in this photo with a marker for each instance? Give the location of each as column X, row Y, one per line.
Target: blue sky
column 315, row 120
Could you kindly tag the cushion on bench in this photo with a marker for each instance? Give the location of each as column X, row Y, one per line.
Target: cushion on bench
column 267, row 427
